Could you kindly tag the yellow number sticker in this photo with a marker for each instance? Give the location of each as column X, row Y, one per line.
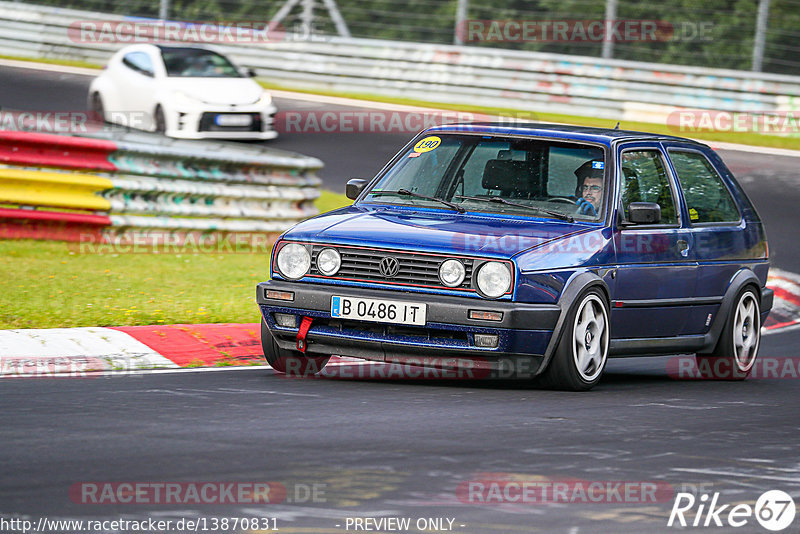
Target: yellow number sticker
column 427, row 144
column 693, row 215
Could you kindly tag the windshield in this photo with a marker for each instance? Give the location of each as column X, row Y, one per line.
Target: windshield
column 196, row 62
column 497, row 174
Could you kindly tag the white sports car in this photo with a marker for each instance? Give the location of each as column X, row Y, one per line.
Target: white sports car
column 182, row 91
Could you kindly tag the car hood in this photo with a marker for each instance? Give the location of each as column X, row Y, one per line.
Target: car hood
column 226, row 91
column 432, row 231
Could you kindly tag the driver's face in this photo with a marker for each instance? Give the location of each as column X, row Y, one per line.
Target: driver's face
column 593, row 191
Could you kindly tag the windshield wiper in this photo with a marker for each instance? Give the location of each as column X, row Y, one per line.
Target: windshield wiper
column 498, row 200
column 406, row 192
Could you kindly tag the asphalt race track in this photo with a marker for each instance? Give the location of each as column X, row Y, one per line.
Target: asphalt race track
column 360, row 445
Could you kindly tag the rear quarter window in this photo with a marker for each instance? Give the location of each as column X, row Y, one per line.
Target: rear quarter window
column 707, row 198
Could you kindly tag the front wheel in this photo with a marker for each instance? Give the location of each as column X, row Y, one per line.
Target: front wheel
column 582, row 351
column 737, row 348
column 159, row 120
column 290, row 362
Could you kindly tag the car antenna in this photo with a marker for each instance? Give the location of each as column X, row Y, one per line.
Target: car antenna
column 617, row 126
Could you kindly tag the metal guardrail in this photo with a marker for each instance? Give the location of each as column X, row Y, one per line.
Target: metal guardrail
column 530, row 81
column 123, row 184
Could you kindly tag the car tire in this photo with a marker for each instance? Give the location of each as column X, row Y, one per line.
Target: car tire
column 96, row 108
column 582, row 351
column 159, row 120
column 737, row 348
column 290, row 362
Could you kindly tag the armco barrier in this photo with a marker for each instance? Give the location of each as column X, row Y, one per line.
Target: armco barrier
column 43, row 150
column 53, row 189
column 119, row 185
column 530, row 81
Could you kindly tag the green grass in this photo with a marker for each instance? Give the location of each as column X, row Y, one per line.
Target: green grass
column 65, row 62
column 49, row 284
column 744, row 138
column 330, row 201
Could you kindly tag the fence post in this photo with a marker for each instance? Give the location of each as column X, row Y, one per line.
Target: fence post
column 163, row 9
column 608, row 37
column 761, row 31
column 461, row 17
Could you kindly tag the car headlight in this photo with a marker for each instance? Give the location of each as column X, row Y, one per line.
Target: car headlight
column 293, row 261
column 329, row 261
column 264, row 100
column 452, row 273
column 494, row 279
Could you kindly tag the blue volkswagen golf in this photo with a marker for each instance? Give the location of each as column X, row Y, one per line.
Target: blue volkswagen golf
column 542, row 250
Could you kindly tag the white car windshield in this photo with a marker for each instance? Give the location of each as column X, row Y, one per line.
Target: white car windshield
column 196, row 62
column 498, row 174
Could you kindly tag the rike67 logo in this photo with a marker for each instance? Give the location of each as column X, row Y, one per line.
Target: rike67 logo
column 774, row 510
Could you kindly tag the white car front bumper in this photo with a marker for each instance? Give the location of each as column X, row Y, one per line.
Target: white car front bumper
column 210, row 123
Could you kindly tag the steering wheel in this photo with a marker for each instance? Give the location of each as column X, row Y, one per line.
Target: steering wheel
column 562, row 199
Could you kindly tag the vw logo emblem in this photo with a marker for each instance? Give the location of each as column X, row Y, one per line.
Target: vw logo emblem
column 389, row 267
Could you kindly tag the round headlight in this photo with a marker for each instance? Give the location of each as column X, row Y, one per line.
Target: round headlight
column 329, row 261
column 494, row 279
column 451, row 273
column 294, row 261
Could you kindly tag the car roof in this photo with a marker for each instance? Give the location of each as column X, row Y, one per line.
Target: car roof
column 605, row 136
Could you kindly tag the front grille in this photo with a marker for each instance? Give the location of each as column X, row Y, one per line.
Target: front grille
column 208, row 123
column 414, row 269
column 384, row 331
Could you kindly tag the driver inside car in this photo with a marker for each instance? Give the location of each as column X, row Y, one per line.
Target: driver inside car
column 590, row 187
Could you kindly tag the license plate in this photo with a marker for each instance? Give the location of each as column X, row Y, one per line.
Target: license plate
column 378, row 310
column 233, row 120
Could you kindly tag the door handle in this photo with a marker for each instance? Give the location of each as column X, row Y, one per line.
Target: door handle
column 683, row 247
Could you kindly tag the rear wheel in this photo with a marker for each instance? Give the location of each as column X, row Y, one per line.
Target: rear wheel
column 96, row 108
column 290, row 362
column 582, row 351
column 737, row 348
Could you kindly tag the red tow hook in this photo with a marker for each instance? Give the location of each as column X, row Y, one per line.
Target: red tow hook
column 305, row 324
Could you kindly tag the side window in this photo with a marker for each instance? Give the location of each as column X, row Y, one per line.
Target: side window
column 140, row 62
column 562, row 164
column 644, row 179
column 707, row 198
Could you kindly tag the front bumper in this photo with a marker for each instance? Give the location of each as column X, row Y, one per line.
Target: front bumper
column 188, row 123
column 523, row 333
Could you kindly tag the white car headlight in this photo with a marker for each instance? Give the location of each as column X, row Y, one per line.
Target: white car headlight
column 329, row 261
column 494, row 279
column 452, row 273
column 265, row 100
column 293, row 261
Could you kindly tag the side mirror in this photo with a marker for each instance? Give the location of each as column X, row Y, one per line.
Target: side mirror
column 251, row 72
column 644, row 213
column 354, row 187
